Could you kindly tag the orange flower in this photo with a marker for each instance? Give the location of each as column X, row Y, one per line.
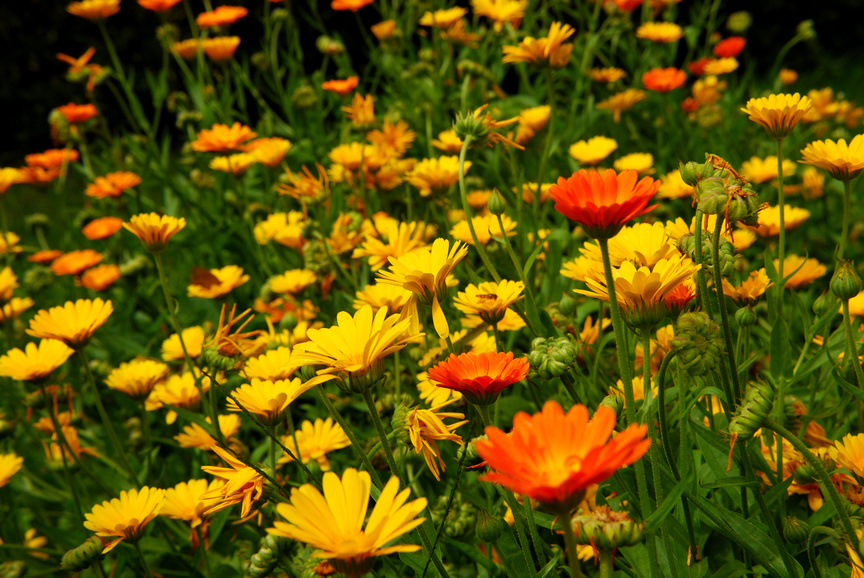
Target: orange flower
column 187, row 49
column 663, row 79
column 269, row 151
column 341, row 87
column 480, row 377
column 102, row 228
column 697, row 67
column 101, row 277
column 76, row 113
column 730, row 47
column 45, row 256
column 603, row 202
column 221, row 16
column 112, row 184
column 220, row 48
column 94, row 9
column 352, row 5
column 75, row 262
column 553, row 457
column 158, row 5
column 52, row 158
column 221, row 138
column 77, row 64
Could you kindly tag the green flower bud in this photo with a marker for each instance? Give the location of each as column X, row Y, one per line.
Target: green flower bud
column 845, row 283
column 698, row 343
column 805, row 30
column 824, row 304
column 83, row 556
column 606, row 529
column 460, row 520
column 279, row 14
column 551, row 358
column 615, row 402
column 756, row 407
column 489, row 528
column 746, row 317
column 304, row 97
column 693, row 172
column 264, row 561
column 217, row 360
column 289, row 321
column 399, row 421
column 795, row 529
column 37, row 277
column 567, row 305
column 711, row 196
column 496, row 205
column 329, row 46
column 467, row 124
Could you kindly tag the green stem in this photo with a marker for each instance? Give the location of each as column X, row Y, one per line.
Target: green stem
column 781, row 202
column 724, row 313
column 529, row 291
column 143, row 560
column 700, row 274
column 661, row 409
column 850, row 345
column 847, row 209
column 606, row 557
column 463, row 193
column 572, row 548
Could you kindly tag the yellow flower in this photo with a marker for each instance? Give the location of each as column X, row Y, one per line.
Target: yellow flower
column 489, row 300
column 8, row 283
column 193, row 339
column 227, row 278
column 154, row 230
column 431, row 394
column 673, row 186
column 443, row 18
column 549, row 51
column 396, row 136
column 806, row 270
column 435, row 175
column 269, row 151
column 424, row 273
column 510, row 322
column 606, row 75
column 137, row 378
column 842, row 161
column 362, row 110
column 126, row 517
column 54, row 452
column 638, row 389
column 383, row 30
column 274, row 365
column 812, row 183
column 9, row 242
column 501, row 11
column 622, row 101
column 195, row 436
column 284, row 228
column 9, row 466
column 592, row 151
column 590, row 332
column 779, row 113
column 31, row 540
column 305, row 186
column 769, row 220
column 758, row 170
column 485, row 226
column 448, row 141
column 528, row 190
column 531, row 121
column 242, row 484
column 749, row 291
column 355, row 347
column 35, row 362
column 15, row 307
column 315, row 441
column 856, row 305
column 426, row 427
column 177, row 390
column 332, row 523
column 642, row 163
column 661, row 32
column 643, row 244
column 398, row 239
column 185, row 501
column 267, row 399
column 378, row 295
column 581, row 268
column 849, row 453
column 719, row 66
column 71, row 323
column 235, row 164
column 292, row 281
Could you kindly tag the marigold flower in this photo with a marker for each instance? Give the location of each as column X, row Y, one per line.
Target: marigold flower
column 449, row 142
column 642, row 163
column 52, row 158
column 267, row 399
column 384, row 30
column 15, row 307
column 749, row 291
column 10, row 176
column 126, row 517
column 187, row 49
column 479, row 377
column 35, row 362
column 9, row 466
column 8, row 283
column 643, row 244
column 341, row 87
column 787, row 76
column 195, row 436
column 720, row 66
column 663, row 79
column 352, row 5
column 9, row 243
column 806, row 270
column 184, row 501
column 603, row 203
column 501, row 12
column 672, row 186
column 269, row 151
column 443, row 18
column 399, row 239
column 220, row 48
column 554, row 457
column 112, row 184
column 102, row 228
column 489, row 300
column 236, row 164
column 842, row 161
column 779, row 113
column 378, row 295
column 154, row 230
column 220, row 16
column 305, row 186
column 284, row 228
column 436, row 176
column 426, row 427
column 179, row 390
column 660, row 32
column 549, row 51
column 758, row 170
column 45, row 256
column 242, row 484
column 331, row 523
column 94, row 9
column 592, row 151
column 75, row 262
column 729, row 47
column 223, row 281
column 638, row 384
column 100, row 277
column 71, row 323
column 158, row 5
column 606, row 75
column 293, row 281
column 137, row 378
column 361, row 113
column 769, row 220
column 485, row 226
column 193, row 339
column 314, row 442
column 622, row 101
column 78, row 113
column 396, row 136
column 849, row 453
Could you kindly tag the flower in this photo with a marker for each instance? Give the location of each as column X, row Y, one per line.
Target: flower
column 425, row 427
column 94, row 9
column 315, row 441
column 102, row 228
column 449, row 142
column 642, row 163
column 848, row 453
column 45, row 256
column 293, row 281
column 779, row 113
column 284, row 228
column 842, row 161
column 179, row 390
column 401, row 239
column 554, row 457
column 593, row 150
column 603, row 202
column 184, row 501
column 15, row 307
column 606, row 75
column 220, row 48
column 443, row 18
column 361, row 113
column 549, row 51
column 305, row 185
column 8, row 283
column 331, row 523
column 720, row 66
column 622, row 101
column 485, row 227
column 126, row 517
column 158, row 5
column 479, row 377
column 35, row 362
column 137, row 378
column 643, row 244
column 424, row 272
column 341, row 87
column 435, row 175
column 242, row 484
column 356, row 346
column 267, row 399
column 195, row 436
column 383, row 30
column 531, row 121
column 72, row 323
column 378, row 295
column 219, row 283
column 489, row 300
column 234, row 164
column 758, row 170
column 672, row 186
column 638, row 383
column 221, row 16
column 787, row 76
column 112, row 184
column 78, row 113
column 769, row 220
column 806, row 270
column 729, row 47
column 52, row 158
column 10, row 176
column 396, row 136
column 663, row 79
column 9, row 466
column 749, row 291
column 75, row 262
column 9, row 243
column 501, row 12
column 269, row 151
column 661, row 32
column 154, row 230
column 187, row 49
column 193, row 339
column 274, row 364
column 221, row 138
column 100, row 277
column 352, row 5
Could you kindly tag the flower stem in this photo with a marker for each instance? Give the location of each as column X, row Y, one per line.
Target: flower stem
column 850, row 345
column 143, row 560
column 700, row 274
column 572, row 548
column 781, row 248
column 463, row 193
column 724, row 313
column 847, row 209
column 533, row 316
column 606, row 562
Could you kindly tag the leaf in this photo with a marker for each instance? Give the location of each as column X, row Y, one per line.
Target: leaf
column 531, row 259
column 510, row 550
column 781, row 350
column 472, row 551
column 734, row 481
column 841, row 381
column 671, row 500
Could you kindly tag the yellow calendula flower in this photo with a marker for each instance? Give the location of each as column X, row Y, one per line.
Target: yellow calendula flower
column 673, row 186
column 361, row 112
column 590, row 332
column 720, row 66
column 431, row 394
column 267, row 399
column 154, row 230
column 489, row 300
column 223, row 281
column 274, row 364
column 177, row 390
column 314, row 442
column 137, row 378
column 193, row 339
column 284, row 228
column 769, row 220
column 660, row 32
column 185, row 502
column 435, row 176
column 625, row 100
column 842, row 161
column 592, row 151
column 443, row 18
column 542, row 52
column 35, row 362
column 126, row 517
column 758, row 170
column 606, row 75
column 9, row 466
column 581, row 268
column 501, row 12
column 448, row 141
column 806, row 270
column 269, row 151
column 643, row 244
column 531, row 121
column 8, row 283
column 292, row 281
column 849, row 453
column 195, row 436
column 15, row 307
column 72, row 323
column 528, row 191
column 9, row 243
column 510, row 322
column 779, row 113
column 485, row 226
column 638, row 389
column 397, row 239
column 378, row 295
column 304, row 186
column 750, row 290
column 424, row 273
column 242, row 484
column 333, row 523
column 642, row 163
column 236, row 164
column 94, row 10
column 426, row 427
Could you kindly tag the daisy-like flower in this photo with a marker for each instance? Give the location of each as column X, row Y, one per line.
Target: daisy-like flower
column 284, row 228
column 424, row 272
column 501, row 12
column 849, row 453
column 622, row 101
column 398, row 239
column 187, row 49
column 75, row 262
column 663, row 79
column 8, row 283
column 179, row 390
column 222, row 138
column 485, row 227
column 592, row 151
column 333, row 523
column 269, row 151
column 396, row 136
column 126, row 517
column 479, row 377
column 267, row 399
column 448, row 141
column 729, row 47
column 314, row 442
column 94, row 9
column 435, row 176
column 274, row 365
column 9, row 466
column 361, row 112
column 112, row 184
column 52, row 158
column 72, row 323
column 431, row 394
column 100, row 277
column 642, row 163
column 137, row 378
column 443, row 18
column 78, row 113
column 35, row 362
column 769, row 220
column 154, row 230
column 293, row 281
column 672, row 186
column 193, row 339
column 383, row 30
column 718, row 66
column 750, row 290
column 10, row 176
column 489, row 300
column 643, row 244
column 842, row 161
column 606, row 75
column 758, row 170
column 242, row 484
column 184, row 502
column 355, row 347
column 44, row 256
column 352, row 5
column 221, row 282
column 221, row 16
column 195, row 436
column 660, row 32
column 554, row 457
column 531, row 121
column 15, row 307
column 221, row 48
column 341, row 87
column 378, row 295
column 102, row 228
column 542, row 52
column 235, row 164
column 426, row 427
column 779, row 113
column 806, row 270
column 638, row 383
column 304, row 185
column 603, row 202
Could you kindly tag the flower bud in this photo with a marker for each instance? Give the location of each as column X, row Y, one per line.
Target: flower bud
column 693, row 172
column 613, row 402
column 746, row 317
column 805, row 30
column 551, row 358
column 756, row 407
column 489, row 528
column 606, row 529
column 496, row 205
column 824, row 304
column 739, row 22
column 399, row 421
column 698, row 342
column 304, row 97
column 845, row 283
column 468, row 124
column 795, row 529
column 264, row 561
column 711, row 197
column 567, row 305
column 83, row 556
column 218, row 360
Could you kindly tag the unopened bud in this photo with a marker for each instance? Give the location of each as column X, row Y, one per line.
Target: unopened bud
column 845, row 283
column 496, row 205
column 489, row 528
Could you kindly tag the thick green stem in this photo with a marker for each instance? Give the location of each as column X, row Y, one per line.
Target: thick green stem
column 701, row 283
column 851, row 349
column 724, row 313
column 572, row 548
column 847, row 210
column 463, row 193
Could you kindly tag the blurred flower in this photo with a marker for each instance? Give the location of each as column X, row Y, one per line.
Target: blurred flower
column 112, row 184
column 8, row 283
column 435, row 175
column 399, row 239
column 384, row 30
column 284, row 228
column 78, row 113
column 158, row 5
column 72, row 323
column 479, row 377
column 102, row 228
column 45, row 256
column 35, row 362
column 352, row 5
column 100, row 277
column 179, row 390
column 592, row 151
column 528, row 190
column 779, row 113
column 642, row 163
column 137, row 378
column 10, row 176
column 9, row 466
column 236, row 164
column 269, row 151
column 806, row 270
column 293, row 281
column 622, row 101
column 485, row 226
column 314, row 442
column 396, row 136
column 672, row 186
column 153, row 230
column 52, row 158
column 661, row 32
column 788, row 76
column 267, row 399
column 242, row 484
column 606, row 75
column 94, row 9
column 501, row 12
column 9, row 243
column 222, row 138
column 220, row 282
column 531, row 121
column 126, row 517
column 195, row 436
column 341, row 87
column 426, row 427
column 15, row 307
column 638, row 385
column 842, row 161
column 187, row 49
column 729, row 47
column 749, row 291
column 489, row 300
column 193, row 339
column 720, row 66
column 812, row 183
column 449, row 142
column 758, row 170
column 305, row 186
column 220, row 16
column 549, row 51
column 378, row 295
column 663, row 79
column 361, row 113
column 431, row 394
column 443, row 18
column 769, row 220
column 55, row 453
column 75, row 262
column 220, row 48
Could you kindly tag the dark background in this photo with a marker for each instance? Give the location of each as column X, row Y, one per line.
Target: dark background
column 32, row 32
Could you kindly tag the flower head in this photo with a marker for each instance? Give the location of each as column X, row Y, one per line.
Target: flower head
column 842, row 161
column 642, row 163
column 72, row 323
column 341, row 87
column 126, row 517
column 485, row 227
column 78, row 113
column 220, row 48
column 622, row 101
column 75, row 262
column 9, row 466
column 112, row 184
column 185, row 502
column 193, row 339
column 769, row 219
column 606, row 75
column 94, row 9
column 479, row 377
column 267, row 399
column 154, row 230
column 501, row 12
column 195, row 436
column 216, row 282
column 553, row 457
column 137, row 378
column 315, row 441
column 435, row 175
column 35, row 362
column 729, row 47
column 426, row 427
column 489, row 300
column 593, row 150
column 222, row 138
column 352, row 5
column 660, row 32
column 663, row 79
column 378, row 295
column 221, row 16
column 549, row 51
column 102, row 228
column 805, row 270
column 8, row 284
column 242, row 484
column 749, row 291
column 158, row 5
column 179, row 390
column 779, row 113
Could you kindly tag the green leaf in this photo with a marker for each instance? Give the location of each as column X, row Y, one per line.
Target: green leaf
column 510, row 550
column 671, row 500
column 472, row 551
column 841, row 381
column 531, row 259
column 735, row 481
column 781, row 350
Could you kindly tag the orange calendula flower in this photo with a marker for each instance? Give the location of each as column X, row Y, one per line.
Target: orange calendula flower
column 362, row 110
column 126, row 517
column 549, row 51
column 660, row 32
column 603, row 202
column 184, row 501
column 154, row 230
column 554, row 457
column 269, row 151
column 94, row 9
column 341, row 87
column 35, row 362
column 396, row 136
column 45, row 256
column 75, row 262
column 489, row 300
column 479, row 377
column 102, row 228
column 352, row 5
column 779, row 113
column 729, row 47
column 304, row 185
column 100, row 277
column 158, row 5
column 221, row 16
column 72, row 323
column 179, row 390
column 219, row 282
column 52, row 158
column 842, row 161
column 112, row 184
column 749, row 291
column 806, row 270
column 187, row 49
column 622, row 101
column 220, row 48
column 384, row 30
column 78, row 113
column 242, row 484
column 222, row 138
column 663, row 79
